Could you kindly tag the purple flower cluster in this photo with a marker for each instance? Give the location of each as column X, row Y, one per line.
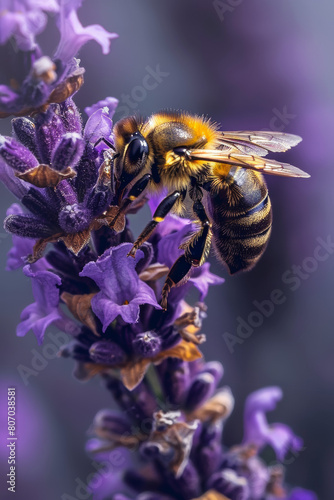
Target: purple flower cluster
column 35, row 79
column 169, row 434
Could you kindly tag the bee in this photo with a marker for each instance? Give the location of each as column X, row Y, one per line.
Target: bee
column 218, row 173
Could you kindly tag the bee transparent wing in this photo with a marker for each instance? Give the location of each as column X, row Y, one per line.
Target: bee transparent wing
column 259, row 143
column 247, row 161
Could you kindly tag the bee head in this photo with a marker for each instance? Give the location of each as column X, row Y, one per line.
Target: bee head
column 132, row 150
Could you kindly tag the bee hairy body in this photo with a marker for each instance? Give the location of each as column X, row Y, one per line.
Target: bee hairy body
column 218, row 172
column 165, row 133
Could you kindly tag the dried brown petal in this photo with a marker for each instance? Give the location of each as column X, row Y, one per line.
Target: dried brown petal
column 66, row 89
column 76, row 241
column 86, row 371
column 189, row 323
column 154, row 272
column 175, row 435
column 114, row 220
column 40, row 246
column 219, row 407
column 186, row 351
column 62, row 92
column 275, row 484
column 44, row 176
column 190, row 335
column 134, row 372
column 126, row 440
column 212, row 495
column 80, row 307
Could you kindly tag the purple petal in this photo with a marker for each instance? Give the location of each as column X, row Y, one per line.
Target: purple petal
column 202, row 278
column 301, row 494
column 105, row 485
column 257, row 430
column 45, row 287
column 173, row 232
column 7, row 95
column 28, row 25
column 121, row 290
column 115, row 273
column 74, row 35
column 107, row 311
column 45, row 5
column 109, row 102
column 23, row 24
column 36, row 323
column 22, row 247
column 145, row 295
column 98, row 126
column 44, row 311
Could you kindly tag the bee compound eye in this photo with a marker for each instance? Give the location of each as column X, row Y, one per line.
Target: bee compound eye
column 137, row 150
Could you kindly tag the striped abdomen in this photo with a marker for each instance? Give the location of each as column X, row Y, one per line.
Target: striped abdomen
column 240, row 211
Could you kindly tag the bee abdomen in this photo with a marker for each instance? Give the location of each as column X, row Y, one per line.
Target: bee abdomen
column 240, row 240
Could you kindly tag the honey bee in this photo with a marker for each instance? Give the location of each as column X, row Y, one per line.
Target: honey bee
column 218, row 173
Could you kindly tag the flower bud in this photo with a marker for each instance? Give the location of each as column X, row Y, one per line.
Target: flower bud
column 73, row 218
column 188, row 484
column 70, row 116
column 147, row 344
column 216, row 369
column 24, row 130
column 109, row 422
column 107, row 353
column 209, row 450
column 75, row 350
column 27, row 226
column 200, row 390
column 176, row 380
column 49, row 131
column 98, row 201
column 67, row 152
column 228, row 483
column 16, row 155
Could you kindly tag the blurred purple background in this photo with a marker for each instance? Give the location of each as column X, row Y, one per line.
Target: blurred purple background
column 259, row 65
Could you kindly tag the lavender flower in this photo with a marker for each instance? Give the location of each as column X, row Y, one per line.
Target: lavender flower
column 121, row 290
column 47, row 152
column 169, row 432
column 36, row 80
column 42, row 313
column 258, row 432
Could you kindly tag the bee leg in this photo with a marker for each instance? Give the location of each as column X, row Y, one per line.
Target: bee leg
column 136, row 190
column 162, row 210
column 176, row 275
column 197, row 248
column 196, row 251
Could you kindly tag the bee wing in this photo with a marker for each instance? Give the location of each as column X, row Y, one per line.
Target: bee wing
column 247, row 161
column 259, row 143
